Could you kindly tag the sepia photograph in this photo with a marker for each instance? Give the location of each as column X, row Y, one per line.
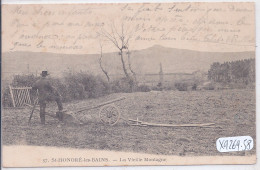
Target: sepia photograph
column 121, row 84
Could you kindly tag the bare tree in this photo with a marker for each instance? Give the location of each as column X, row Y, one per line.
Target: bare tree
column 121, row 41
column 100, row 63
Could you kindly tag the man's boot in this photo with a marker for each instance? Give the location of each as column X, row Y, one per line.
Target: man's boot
column 42, row 116
column 42, row 112
column 60, row 115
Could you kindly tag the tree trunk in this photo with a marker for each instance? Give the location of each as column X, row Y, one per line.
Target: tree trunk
column 103, row 70
column 100, row 64
column 123, row 64
column 130, row 66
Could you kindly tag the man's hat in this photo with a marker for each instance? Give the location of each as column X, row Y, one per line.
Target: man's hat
column 44, row 73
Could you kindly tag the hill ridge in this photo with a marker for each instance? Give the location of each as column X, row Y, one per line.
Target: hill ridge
column 143, row 61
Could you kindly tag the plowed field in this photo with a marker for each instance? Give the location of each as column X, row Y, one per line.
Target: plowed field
column 232, row 111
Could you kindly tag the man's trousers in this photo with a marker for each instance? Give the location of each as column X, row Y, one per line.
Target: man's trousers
column 43, row 107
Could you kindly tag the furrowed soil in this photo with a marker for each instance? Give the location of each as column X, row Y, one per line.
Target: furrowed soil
column 232, row 111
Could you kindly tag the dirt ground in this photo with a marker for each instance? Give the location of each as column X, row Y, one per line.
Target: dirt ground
column 233, row 112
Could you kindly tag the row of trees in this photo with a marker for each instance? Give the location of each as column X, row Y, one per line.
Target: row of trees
column 74, row 86
column 235, row 71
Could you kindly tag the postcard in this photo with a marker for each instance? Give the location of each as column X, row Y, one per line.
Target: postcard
column 122, row 84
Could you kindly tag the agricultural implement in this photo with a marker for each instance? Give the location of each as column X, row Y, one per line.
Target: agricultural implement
column 109, row 114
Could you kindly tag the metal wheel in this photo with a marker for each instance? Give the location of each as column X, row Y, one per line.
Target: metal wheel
column 109, row 114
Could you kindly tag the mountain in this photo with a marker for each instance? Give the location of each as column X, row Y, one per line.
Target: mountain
column 143, row 61
column 188, row 61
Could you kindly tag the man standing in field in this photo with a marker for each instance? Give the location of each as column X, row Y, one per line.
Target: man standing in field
column 47, row 93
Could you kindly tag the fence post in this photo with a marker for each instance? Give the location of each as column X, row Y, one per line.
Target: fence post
column 11, row 92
